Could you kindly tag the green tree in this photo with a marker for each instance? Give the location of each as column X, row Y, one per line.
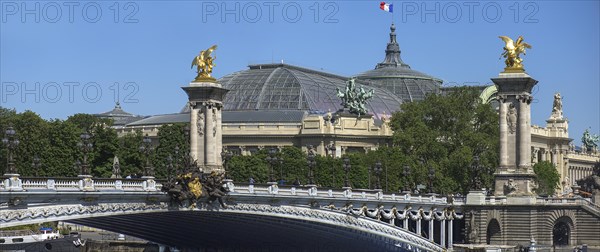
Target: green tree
column 59, row 159
column 104, row 140
column 169, row 137
column 547, row 177
column 105, row 145
column 32, row 132
column 7, row 117
column 130, row 158
column 446, row 132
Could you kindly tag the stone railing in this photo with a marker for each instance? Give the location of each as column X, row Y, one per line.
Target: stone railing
column 546, row 201
column 577, row 201
column 273, row 189
column 79, row 184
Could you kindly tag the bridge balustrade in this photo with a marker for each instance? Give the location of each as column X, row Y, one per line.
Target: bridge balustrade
column 79, row 184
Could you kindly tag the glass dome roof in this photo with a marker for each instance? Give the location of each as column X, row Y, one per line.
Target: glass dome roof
column 287, row 87
column 397, row 77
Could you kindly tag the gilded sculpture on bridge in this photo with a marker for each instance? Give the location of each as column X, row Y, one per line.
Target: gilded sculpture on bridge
column 512, row 52
column 191, row 185
column 204, row 63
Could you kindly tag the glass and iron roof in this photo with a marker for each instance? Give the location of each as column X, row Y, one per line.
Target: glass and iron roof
column 288, row 87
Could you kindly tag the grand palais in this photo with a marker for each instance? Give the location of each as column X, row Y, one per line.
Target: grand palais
column 277, row 105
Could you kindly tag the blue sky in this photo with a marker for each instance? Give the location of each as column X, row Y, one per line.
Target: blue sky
column 87, row 55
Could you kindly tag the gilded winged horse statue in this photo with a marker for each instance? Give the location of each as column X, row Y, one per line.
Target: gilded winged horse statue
column 512, row 50
column 204, row 63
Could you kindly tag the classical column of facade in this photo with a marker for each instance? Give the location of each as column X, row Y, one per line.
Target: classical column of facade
column 503, row 133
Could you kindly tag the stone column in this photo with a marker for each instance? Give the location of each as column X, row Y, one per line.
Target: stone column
column 514, row 88
column 431, row 227
column 419, row 226
column 406, row 222
column 450, row 233
column 503, row 133
column 219, row 135
column 193, row 131
column 524, row 134
column 205, row 127
column 443, row 233
column 210, row 138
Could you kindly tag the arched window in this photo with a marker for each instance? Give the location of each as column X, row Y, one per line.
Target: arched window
column 561, row 232
column 493, row 232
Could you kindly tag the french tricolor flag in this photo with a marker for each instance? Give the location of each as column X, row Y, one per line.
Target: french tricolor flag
column 386, row 7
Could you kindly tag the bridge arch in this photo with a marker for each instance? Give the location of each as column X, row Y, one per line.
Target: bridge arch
column 562, row 231
column 493, row 232
column 562, row 225
column 265, row 218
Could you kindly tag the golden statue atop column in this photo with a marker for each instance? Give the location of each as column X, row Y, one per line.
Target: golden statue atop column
column 512, row 51
column 204, row 62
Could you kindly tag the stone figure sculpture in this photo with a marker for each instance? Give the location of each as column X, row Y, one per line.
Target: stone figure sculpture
column 510, row 187
column 116, row 169
column 472, row 228
column 511, row 118
column 557, row 106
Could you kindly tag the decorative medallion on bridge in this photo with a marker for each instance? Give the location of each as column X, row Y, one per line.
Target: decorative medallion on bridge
column 188, row 188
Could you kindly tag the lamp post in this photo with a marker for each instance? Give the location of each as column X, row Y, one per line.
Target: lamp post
column 272, row 159
column 386, row 176
column 226, row 156
column 85, row 146
column 377, row 169
column 369, row 170
column 36, row 165
column 431, row 178
column 169, row 167
column 331, row 149
column 11, row 142
column 177, row 160
column 406, row 174
column 476, row 179
column 311, row 164
column 347, row 167
column 77, row 165
column 146, row 149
